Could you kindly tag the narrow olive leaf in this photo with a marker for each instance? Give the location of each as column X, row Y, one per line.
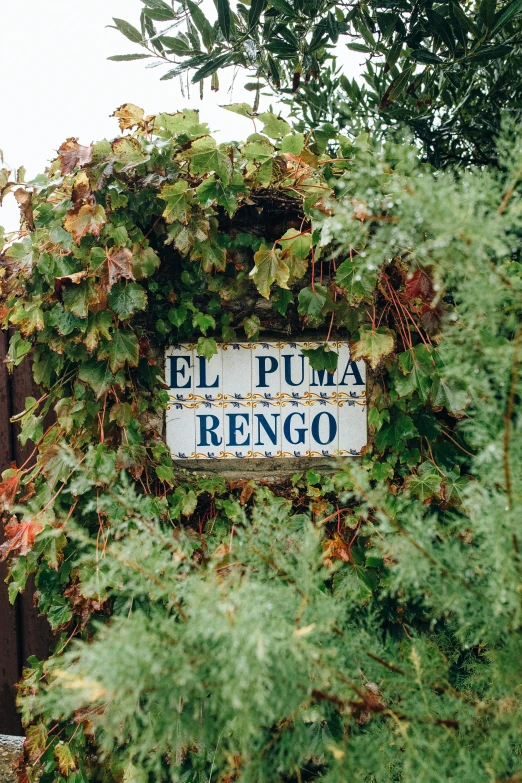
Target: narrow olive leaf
column 223, row 9
column 202, row 23
column 397, row 86
column 122, row 58
column 443, row 29
column 486, row 12
column 506, row 15
column 256, row 9
column 128, row 30
column 210, row 67
column 485, row 53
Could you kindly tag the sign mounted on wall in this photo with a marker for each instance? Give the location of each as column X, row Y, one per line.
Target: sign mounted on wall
column 263, row 400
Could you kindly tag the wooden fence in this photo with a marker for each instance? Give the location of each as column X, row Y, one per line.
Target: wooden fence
column 22, row 631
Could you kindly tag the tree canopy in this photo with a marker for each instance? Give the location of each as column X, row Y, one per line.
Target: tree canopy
column 445, row 71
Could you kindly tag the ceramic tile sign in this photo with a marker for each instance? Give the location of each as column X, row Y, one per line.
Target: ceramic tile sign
column 263, row 400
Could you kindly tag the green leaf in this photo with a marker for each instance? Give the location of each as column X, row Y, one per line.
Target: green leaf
column 203, row 322
column 224, row 20
column 211, row 66
column 178, row 198
column 177, row 315
column 98, row 325
column 312, row 301
column 296, row 243
column 400, row 429
column 425, row 484
column 205, row 157
column 213, row 190
column 357, row 281
column 97, row 375
column 486, row 12
column 78, row 298
column 128, row 30
column 251, row 325
column 126, row 298
column 506, row 15
column 123, row 349
column 274, row 126
column 144, row 262
column 244, row 109
column 321, row 358
column 202, row 23
column 293, row 143
column 121, row 413
column 176, row 45
column 207, row 347
column 256, row 9
column 281, row 300
column 269, row 268
column 122, row 58
column 372, row 345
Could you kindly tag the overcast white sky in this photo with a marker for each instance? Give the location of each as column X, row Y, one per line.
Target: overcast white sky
column 57, row 82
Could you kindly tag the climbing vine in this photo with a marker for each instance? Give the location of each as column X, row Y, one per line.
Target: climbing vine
column 163, row 235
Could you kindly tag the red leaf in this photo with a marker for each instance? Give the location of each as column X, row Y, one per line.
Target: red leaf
column 419, row 286
column 19, row 536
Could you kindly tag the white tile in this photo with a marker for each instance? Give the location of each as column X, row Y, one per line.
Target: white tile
column 181, row 430
column 324, row 428
column 237, row 371
column 208, row 378
column 295, row 421
column 179, row 371
column 351, row 376
column 209, row 430
column 294, row 369
column 353, row 433
column 266, row 376
column 237, row 427
column 266, row 429
column 323, row 384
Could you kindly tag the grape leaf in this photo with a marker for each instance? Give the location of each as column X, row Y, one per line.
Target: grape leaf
column 123, row 349
column 125, row 299
column 85, row 219
column 178, row 198
column 372, row 345
column 205, row 157
column 269, row 268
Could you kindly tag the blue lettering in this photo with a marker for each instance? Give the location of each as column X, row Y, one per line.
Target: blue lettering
column 320, row 374
column 288, row 368
column 234, row 428
column 264, row 371
column 332, row 428
column 175, row 371
column 356, row 374
column 208, row 429
column 300, row 431
column 203, row 376
column 262, row 422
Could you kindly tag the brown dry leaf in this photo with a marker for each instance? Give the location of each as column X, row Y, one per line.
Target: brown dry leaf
column 35, row 741
column 8, row 490
column 72, row 154
column 129, row 115
column 20, row 537
column 81, row 191
column 25, row 202
column 88, row 219
column 338, row 548
column 119, row 264
column 75, row 278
